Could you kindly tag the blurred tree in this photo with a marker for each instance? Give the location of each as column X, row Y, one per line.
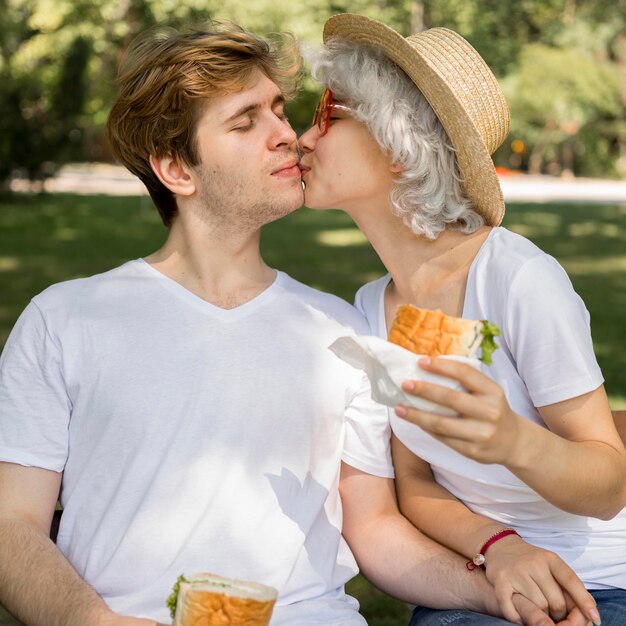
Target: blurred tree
column 550, row 103
column 58, row 62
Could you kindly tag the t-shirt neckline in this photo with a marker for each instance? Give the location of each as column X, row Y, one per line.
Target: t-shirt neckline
column 208, row 308
column 382, row 319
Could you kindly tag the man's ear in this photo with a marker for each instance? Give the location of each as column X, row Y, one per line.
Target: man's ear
column 175, row 176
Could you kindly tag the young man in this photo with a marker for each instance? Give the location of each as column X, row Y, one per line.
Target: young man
column 185, row 406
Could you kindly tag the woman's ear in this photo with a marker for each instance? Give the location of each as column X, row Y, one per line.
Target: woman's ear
column 397, row 168
column 176, row 177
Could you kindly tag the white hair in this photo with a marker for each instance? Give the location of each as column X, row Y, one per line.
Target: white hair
column 427, row 194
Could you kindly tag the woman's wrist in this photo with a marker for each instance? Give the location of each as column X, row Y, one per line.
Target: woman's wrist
column 479, row 559
column 472, row 543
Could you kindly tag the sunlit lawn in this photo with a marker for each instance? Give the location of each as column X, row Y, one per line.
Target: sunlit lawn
column 46, row 239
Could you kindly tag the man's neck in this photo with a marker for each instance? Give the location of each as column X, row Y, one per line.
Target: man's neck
column 223, row 268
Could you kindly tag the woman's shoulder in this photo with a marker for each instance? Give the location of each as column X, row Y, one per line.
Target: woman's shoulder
column 506, row 247
column 506, row 255
column 510, row 268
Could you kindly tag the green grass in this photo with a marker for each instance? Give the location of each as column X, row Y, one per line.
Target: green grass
column 49, row 238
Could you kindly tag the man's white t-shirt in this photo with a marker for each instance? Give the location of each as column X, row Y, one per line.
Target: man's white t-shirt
column 193, row 438
column 545, row 356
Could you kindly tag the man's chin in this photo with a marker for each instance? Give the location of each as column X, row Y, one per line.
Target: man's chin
column 278, row 211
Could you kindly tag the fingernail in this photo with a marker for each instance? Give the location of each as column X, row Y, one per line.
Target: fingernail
column 408, row 385
column 400, row 411
column 595, row 617
column 425, row 362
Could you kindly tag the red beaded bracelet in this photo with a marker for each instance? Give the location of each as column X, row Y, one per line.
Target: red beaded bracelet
column 479, row 559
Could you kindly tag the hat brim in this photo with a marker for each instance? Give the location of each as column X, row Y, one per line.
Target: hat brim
column 479, row 178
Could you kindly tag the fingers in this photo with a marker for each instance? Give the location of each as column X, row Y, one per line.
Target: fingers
column 481, row 398
column 535, row 580
column 470, row 377
column 460, row 402
column 530, row 614
column 443, row 425
column 575, row 590
column 575, row 618
column 555, row 599
column 508, row 606
column 470, row 438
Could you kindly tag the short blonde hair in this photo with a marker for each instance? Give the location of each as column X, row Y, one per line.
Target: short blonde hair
column 166, row 80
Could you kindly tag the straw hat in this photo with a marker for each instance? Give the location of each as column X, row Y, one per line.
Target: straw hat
column 461, row 89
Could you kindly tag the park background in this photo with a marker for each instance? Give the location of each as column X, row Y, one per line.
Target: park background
column 562, row 66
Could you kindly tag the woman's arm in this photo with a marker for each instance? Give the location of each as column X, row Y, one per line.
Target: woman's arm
column 512, row 565
column 578, row 465
column 620, row 423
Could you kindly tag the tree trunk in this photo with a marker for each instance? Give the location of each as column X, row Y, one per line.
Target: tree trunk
column 535, row 159
column 567, row 158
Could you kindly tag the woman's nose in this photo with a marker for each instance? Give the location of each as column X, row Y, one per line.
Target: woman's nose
column 308, row 139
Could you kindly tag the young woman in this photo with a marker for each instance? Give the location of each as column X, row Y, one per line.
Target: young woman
column 533, row 464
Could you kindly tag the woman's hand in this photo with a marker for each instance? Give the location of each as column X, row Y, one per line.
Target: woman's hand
column 530, row 614
column 488, row 430
column 514, row 566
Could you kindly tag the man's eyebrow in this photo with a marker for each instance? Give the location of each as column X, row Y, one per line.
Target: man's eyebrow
column 279, row 99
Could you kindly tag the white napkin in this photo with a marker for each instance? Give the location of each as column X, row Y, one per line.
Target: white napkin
column 388, row 365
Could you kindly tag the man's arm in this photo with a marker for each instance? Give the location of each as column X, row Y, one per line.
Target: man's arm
column 512, row 564
column 37, row 584
column 407, row 565
column 400, row 560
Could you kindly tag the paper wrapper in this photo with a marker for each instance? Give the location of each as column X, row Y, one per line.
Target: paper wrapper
column 388, row 365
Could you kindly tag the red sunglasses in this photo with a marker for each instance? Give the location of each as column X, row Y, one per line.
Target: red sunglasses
column 324, row 109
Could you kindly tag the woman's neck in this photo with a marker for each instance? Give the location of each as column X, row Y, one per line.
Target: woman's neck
column 427, row 273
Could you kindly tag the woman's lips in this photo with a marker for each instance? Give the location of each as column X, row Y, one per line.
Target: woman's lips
column 303, row 169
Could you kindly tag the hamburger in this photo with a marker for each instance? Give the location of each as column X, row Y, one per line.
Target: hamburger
column 210, row 600
column 432, row 333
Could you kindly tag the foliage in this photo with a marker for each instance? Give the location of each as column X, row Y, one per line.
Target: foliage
column 563, row 62
column 551, row 104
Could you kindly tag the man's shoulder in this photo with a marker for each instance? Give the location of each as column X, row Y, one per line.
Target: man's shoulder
column 69, row 292
column 328, row 303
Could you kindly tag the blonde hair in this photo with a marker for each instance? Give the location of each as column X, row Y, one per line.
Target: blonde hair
column 167, row 78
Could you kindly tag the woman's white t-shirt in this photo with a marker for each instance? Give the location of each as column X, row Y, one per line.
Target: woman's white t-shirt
column 545, row 356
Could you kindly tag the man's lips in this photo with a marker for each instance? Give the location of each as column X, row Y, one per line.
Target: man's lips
column 287, row 170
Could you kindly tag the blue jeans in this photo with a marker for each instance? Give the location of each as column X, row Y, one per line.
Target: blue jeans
column 611, row 604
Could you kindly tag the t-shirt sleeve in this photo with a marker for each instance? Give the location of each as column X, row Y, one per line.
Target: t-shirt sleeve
column 367, row 443
column 34, row 405
column 548, row 329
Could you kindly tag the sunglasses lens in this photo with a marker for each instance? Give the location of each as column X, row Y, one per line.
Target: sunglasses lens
column 323, row 111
